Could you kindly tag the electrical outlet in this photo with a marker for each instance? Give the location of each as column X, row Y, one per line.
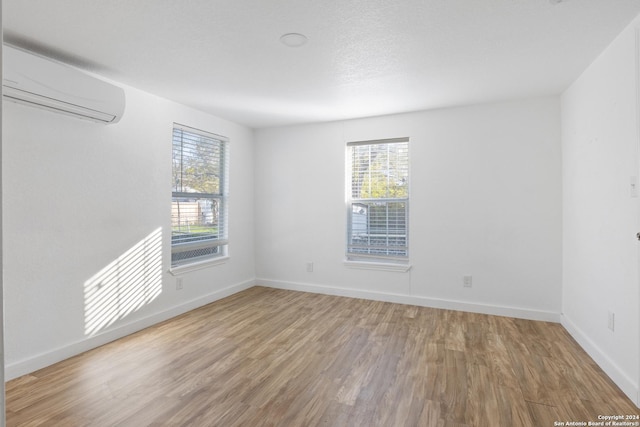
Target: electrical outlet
column 467, row 281
column 310, row 267
column 179, row 283
column 611, row 321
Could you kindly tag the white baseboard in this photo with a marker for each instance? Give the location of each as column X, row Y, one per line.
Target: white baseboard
column 521, row 313
column 26, row 366
column 626, row 384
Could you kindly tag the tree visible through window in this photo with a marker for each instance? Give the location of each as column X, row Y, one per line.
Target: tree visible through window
column 378, row 199
column 198, row 207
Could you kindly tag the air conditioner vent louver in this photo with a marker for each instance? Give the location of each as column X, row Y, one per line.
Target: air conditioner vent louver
column 38, row 82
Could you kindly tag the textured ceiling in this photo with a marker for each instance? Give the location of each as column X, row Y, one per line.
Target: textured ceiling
column 363, row 57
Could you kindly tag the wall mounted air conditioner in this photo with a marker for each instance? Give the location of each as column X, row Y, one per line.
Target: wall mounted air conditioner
column 38, row 82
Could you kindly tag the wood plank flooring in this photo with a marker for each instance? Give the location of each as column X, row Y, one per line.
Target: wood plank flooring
column 267, row 357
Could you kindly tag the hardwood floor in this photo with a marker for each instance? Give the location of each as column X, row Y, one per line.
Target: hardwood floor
column 267, row 357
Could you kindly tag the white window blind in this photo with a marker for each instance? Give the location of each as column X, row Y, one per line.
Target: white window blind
column 378, row 199
column 199, row 195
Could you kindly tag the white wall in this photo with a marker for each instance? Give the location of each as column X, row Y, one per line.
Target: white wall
column 600, row 154
column 485, row 201
column 77, row 196
column 2, row 356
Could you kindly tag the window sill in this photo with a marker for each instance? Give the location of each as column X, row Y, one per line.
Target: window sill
column 379, row 266
column 181, row 269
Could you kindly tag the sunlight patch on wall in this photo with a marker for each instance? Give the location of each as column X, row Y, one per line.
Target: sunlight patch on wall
column 124, row 286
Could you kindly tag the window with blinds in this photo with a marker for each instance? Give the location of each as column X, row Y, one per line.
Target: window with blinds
column 378, row 200
column 199, row 196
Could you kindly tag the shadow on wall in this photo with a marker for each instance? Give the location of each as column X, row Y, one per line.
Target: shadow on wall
column 124, row 286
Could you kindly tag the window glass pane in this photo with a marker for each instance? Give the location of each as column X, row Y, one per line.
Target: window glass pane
column 378, row 228
column 194, row 219
column 197, row 163
column 379, row 195
column 198, row 206
column 379, row 171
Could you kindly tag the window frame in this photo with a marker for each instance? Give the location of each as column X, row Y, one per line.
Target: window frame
column 387, row 261
column 218, row 246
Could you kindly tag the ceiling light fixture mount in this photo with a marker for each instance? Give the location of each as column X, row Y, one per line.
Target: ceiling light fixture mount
column 293, row 39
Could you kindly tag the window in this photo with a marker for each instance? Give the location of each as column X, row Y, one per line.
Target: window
column 199, row 198
column 378, row 199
